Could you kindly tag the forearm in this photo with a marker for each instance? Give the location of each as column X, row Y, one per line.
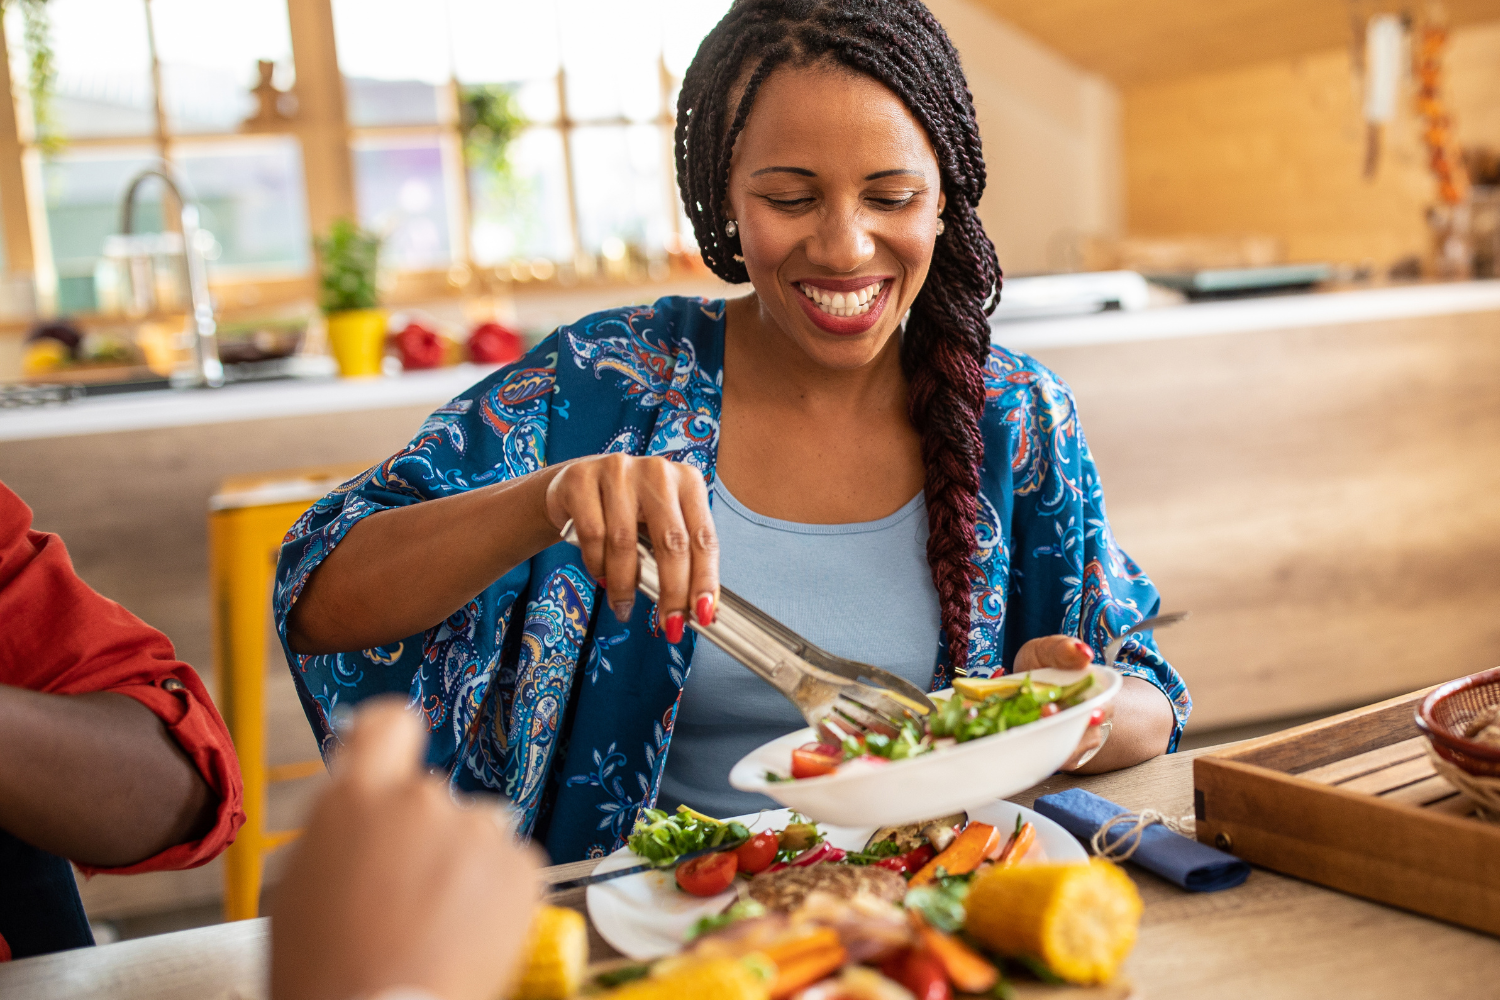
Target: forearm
column 402, row 571
column 1140, row 728
column 96, row 778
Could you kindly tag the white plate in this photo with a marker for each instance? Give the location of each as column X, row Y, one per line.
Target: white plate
column 935, row 784
column 646, row 916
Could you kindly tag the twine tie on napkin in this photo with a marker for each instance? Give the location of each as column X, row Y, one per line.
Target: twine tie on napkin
column 1123, row 845
column 1153, row 840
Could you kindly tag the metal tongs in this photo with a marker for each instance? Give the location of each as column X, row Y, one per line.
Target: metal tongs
column 837, row 697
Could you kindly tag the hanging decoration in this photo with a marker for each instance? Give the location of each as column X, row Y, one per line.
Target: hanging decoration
column 1437, row 125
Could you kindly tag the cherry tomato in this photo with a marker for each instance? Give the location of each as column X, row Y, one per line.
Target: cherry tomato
column 757, row 853
column 1050, row 709
column 911, row 861
column 814, row 759
column 920, row 971
column 708, row 875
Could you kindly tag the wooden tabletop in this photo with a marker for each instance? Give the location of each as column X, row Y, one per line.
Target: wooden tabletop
column 1269, row 939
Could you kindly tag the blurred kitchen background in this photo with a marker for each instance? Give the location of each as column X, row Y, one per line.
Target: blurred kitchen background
column 1258, row 237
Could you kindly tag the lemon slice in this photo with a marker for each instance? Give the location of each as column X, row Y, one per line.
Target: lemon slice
column 980, row 688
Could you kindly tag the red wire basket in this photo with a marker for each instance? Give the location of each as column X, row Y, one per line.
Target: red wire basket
column 1444, row 717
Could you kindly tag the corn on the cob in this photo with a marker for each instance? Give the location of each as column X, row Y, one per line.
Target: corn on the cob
column 557, row 951
column 1079, row 919
column 716, row 978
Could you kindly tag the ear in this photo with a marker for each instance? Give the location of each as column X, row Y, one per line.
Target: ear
column 942, row 200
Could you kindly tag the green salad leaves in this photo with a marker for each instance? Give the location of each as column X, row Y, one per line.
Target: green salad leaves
column 661, row 838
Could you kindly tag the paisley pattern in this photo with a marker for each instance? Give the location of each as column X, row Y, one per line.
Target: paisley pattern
column 530, row 691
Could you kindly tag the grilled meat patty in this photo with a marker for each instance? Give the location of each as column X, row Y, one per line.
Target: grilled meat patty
column 784, row 891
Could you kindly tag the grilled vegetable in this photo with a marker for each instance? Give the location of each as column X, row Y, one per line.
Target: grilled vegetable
column 977, row 842
column 1080, row 919
column 968, row 970
column 725, row 978
column 803, row 960
column 557, row 950
column 920, row 972
column 914, row 835
column 1020, row 842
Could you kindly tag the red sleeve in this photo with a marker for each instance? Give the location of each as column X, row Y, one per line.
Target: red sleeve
column 62, row 637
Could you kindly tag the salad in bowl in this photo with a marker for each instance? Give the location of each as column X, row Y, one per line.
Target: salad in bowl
column 987, row 739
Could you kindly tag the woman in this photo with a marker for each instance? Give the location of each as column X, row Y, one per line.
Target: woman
column 906, row 496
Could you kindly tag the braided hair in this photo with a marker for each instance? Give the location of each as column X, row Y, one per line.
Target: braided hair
column 901, row 45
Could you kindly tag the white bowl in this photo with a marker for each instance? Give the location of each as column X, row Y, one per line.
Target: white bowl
column 959, row 777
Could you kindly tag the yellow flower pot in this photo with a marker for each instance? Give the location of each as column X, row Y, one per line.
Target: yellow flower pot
column 357, row 339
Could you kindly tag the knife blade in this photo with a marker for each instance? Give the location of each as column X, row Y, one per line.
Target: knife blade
column 579, row 883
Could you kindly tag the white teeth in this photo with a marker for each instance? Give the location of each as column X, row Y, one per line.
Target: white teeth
column 843, row 304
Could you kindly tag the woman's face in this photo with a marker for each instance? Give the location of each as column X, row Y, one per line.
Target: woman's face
column 836, row 192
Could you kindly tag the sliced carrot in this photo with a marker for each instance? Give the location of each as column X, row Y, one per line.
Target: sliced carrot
column 968, row 849
column 1019, row 844
column 788, row 950
column 807, row 969
column 968, row 970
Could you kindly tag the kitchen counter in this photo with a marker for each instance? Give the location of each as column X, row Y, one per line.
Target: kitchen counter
column 1273, row 938
column 166, row 408
column 246, row 401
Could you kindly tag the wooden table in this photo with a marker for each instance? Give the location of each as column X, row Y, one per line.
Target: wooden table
column 1271, row 938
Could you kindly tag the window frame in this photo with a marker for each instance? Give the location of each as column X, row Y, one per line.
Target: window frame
column 327, row 140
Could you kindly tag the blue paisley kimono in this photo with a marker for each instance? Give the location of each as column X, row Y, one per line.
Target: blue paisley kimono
column 530, row 691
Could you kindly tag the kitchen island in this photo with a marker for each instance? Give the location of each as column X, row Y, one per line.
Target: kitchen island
column 1273, row 938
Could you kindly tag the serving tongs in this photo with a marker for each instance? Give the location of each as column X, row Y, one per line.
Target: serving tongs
column 839, row 698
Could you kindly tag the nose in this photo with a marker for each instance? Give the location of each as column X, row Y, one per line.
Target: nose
column 842, row 241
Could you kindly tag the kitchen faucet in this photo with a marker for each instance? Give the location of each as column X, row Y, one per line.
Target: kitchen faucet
column 207, row 370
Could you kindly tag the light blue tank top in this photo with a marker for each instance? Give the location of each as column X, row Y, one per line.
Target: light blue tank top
column 863, row 591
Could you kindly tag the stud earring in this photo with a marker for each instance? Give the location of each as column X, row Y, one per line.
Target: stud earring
column 731, row 228
column 941, row 227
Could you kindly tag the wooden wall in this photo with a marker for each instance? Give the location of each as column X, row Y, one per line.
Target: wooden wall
column 1278, row 148
column 1326, row 501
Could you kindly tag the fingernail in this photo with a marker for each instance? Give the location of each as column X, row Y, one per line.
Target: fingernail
column 706, row 609
column 603, row 582
column 622, row 609
column 1084, row 648
column 1096, row 717
column 674, row 624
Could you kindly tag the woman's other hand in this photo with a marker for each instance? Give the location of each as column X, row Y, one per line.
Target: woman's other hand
column 1134, row 727
column 396, row 885
column 608, row 498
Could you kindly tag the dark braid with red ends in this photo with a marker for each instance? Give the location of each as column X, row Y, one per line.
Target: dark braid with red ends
column 900, row 44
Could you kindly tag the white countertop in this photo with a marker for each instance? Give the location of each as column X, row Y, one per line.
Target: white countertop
column 250, row 401
column 259, row 401
column 1276, row 312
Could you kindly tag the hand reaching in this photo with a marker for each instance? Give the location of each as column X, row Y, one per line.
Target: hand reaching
column 396, row 885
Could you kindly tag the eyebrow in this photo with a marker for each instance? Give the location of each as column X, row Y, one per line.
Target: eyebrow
column 804, row 172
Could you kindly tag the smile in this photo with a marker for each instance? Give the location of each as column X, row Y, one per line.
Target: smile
column 844, row 305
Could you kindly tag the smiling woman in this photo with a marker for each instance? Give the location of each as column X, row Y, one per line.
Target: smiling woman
column 882, row 479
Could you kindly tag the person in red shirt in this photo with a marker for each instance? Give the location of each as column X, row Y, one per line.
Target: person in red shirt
column 112, row 754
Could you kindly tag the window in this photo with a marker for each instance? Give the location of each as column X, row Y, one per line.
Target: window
column 586, row 187
column 589, row 181
column 105, row 113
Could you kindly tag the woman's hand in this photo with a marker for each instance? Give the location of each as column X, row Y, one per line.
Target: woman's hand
column 394, row 884
column 1145, row 716
column 608, row 498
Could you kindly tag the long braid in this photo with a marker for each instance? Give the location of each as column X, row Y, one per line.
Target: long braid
column 900, row 44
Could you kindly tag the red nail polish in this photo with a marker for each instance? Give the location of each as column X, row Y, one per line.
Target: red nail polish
column 603, row 582
column 706, row 609
column 1096, row 717
column 674, row 624
column 1084, row 647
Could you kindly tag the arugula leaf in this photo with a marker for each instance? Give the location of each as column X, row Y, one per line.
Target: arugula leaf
column 941, row 903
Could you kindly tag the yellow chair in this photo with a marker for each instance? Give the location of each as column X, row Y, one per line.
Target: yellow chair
column 247, row 520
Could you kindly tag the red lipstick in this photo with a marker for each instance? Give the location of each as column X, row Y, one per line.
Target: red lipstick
column 844, row 326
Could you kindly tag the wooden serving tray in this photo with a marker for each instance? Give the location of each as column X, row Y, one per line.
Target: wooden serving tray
column 1353, row 803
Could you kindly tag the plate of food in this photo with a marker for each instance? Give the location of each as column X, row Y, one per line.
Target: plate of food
column 988, row 738
column 773, row 861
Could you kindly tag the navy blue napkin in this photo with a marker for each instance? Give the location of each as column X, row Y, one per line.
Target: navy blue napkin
column 1178, row 859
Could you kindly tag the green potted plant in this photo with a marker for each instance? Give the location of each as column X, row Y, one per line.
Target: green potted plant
column 348, row 258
